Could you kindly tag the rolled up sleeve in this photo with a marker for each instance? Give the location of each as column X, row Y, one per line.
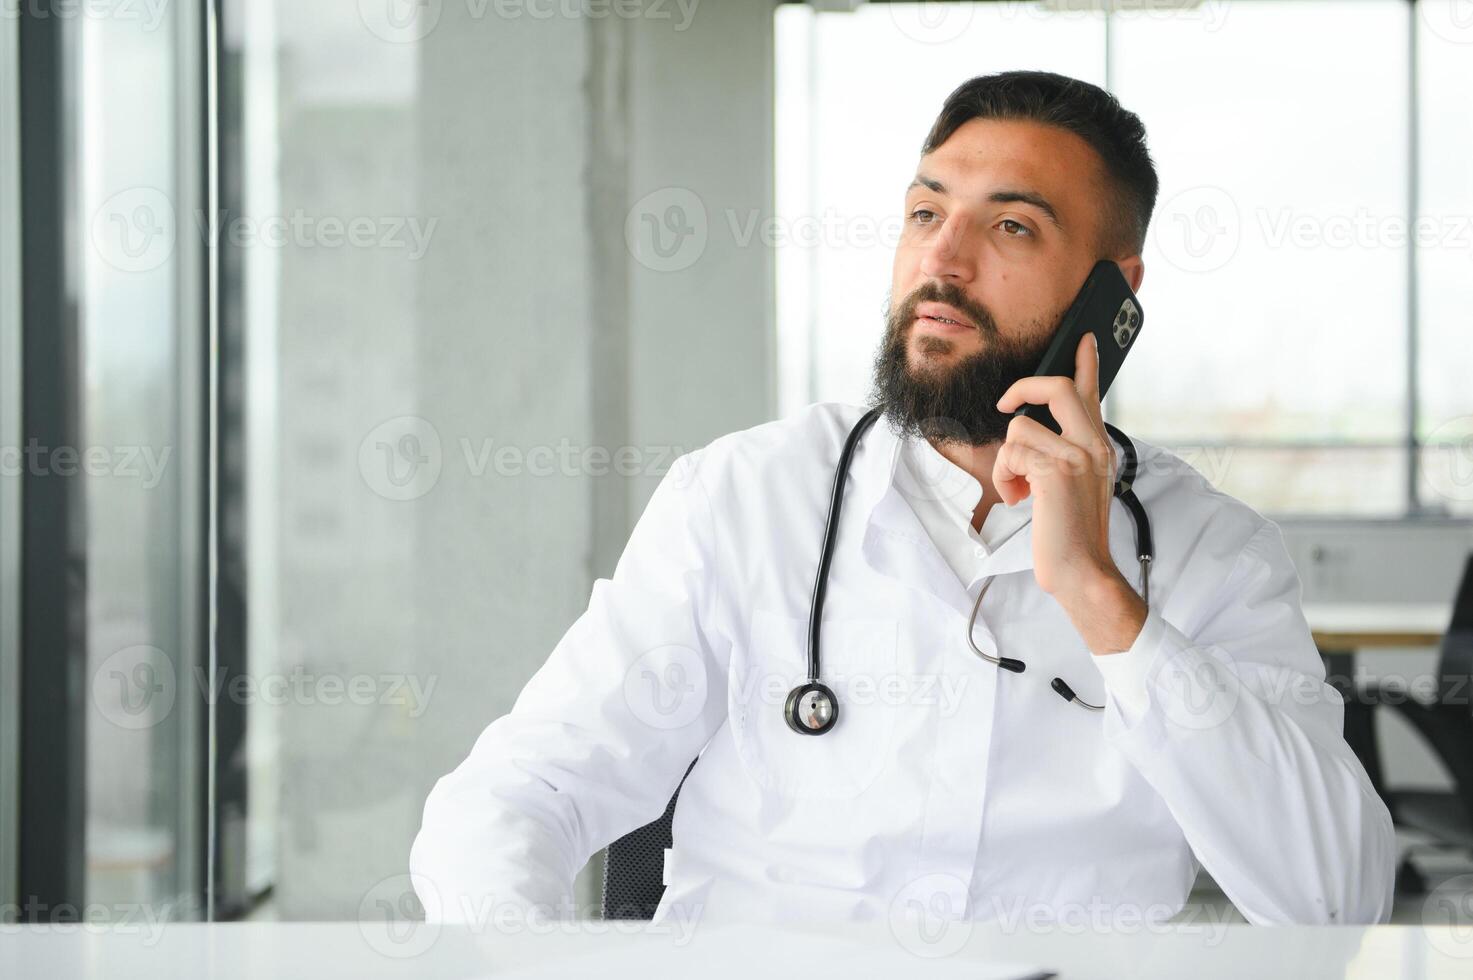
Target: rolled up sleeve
column 1234, row 726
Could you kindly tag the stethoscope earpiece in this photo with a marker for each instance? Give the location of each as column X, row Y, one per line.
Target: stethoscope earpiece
column 1067, row 693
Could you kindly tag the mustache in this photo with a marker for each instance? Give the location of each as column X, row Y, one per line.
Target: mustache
column 955, row 402
column 932, row 291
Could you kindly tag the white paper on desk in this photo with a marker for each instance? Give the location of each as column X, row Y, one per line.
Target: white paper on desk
column 746, row 952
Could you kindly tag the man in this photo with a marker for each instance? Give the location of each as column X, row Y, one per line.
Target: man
column 943, row 784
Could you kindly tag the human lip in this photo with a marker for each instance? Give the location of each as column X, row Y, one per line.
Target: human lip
column 943, row 317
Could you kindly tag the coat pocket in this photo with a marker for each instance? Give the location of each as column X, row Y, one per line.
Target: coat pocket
column 858, row 660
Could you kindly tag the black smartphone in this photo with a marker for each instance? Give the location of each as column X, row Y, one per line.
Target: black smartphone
column 1106, row 306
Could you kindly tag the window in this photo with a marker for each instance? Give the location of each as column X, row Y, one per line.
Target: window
column 1281, row 323
column 1444, row 257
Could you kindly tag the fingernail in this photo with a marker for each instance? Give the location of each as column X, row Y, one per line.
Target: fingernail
column 1096, row 338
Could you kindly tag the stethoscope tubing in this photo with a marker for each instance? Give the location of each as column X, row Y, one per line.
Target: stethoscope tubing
column 830, row 535
column 1123, row 491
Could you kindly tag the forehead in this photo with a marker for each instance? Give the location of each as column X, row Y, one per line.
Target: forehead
column 985, row 155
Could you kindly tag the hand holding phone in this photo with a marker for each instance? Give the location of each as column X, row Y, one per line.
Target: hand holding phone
column 1107, row 307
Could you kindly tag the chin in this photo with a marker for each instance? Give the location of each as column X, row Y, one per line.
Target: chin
column 931, row 354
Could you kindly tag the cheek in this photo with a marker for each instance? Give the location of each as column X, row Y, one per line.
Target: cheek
column 902, row 278
column 1016, row 299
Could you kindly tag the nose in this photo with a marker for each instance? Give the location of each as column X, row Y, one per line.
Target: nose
column 950, row 254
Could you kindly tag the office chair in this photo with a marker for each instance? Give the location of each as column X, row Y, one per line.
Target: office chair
column 634, row 865
column 1446, row 725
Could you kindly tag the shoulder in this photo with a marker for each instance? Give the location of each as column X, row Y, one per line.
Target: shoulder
column 818, row 424
column 794, row 447
column 1190, row 513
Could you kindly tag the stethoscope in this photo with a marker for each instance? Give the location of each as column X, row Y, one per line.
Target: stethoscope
column 812, row 708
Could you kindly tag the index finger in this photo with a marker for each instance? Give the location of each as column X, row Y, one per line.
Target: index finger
column 1087, row 380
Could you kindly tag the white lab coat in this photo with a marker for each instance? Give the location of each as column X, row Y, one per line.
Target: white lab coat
column 944, row 782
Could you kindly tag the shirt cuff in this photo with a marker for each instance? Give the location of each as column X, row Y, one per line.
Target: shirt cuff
column 1127, row 674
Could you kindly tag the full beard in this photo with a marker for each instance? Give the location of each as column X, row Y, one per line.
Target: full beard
column 946, row 401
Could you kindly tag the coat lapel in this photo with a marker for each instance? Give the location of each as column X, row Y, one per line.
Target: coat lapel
column 895, row 542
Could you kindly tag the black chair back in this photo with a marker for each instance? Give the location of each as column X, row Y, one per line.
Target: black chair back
column 1455, row 661
column 634, row 865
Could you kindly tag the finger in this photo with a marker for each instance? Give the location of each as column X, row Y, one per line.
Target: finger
column 1016, row 467
column 1008, row 476
column 1075, row 459
column 1063, row 401
column 1089, row 394
column 1087, row 382
column 1087, row 378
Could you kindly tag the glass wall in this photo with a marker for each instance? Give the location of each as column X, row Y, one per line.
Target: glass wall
column 1444, row 44
column 1271, row 236
column 1282, row 225
column 856, row 95
column 139, row 461
column 319, row 241
column 10, row 477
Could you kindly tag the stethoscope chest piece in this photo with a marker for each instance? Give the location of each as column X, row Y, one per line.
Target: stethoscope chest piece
column 812, row 709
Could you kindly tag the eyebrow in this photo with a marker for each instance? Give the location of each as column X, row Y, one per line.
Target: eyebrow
column 996, row 197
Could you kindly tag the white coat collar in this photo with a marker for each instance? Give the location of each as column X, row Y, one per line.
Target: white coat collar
column 897, row 545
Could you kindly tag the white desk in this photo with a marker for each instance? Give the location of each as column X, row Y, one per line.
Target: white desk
column 711, row 951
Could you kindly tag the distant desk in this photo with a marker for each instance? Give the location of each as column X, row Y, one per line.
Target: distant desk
column 1344, row 627
column 1341, row 629
column 709, row 950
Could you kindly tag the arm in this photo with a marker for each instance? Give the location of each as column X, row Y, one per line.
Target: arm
column 599, row 738
column 1234, row 726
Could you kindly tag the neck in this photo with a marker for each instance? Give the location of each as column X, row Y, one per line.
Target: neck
column 978, row 461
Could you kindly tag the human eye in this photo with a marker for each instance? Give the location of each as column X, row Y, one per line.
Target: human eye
column 915, row 216
column 1007, row 222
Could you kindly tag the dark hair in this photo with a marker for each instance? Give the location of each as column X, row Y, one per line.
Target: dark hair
column 1086, row 110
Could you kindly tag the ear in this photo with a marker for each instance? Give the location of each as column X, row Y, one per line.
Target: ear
column 1134, row 270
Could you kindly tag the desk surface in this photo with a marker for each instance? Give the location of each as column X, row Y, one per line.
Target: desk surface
column 1356, row 625
column 609, row 951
